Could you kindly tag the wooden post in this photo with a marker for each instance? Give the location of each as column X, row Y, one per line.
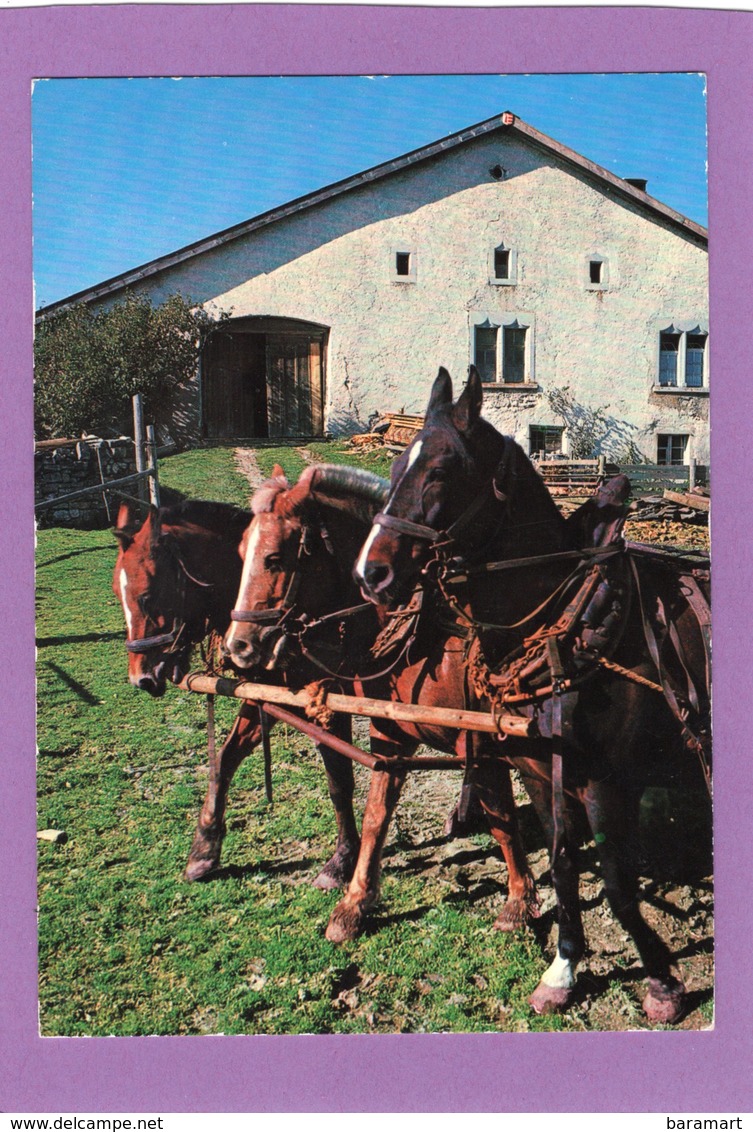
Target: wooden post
column 602, row 467
column 692, row 475
column 138, row 439
column 152, row 466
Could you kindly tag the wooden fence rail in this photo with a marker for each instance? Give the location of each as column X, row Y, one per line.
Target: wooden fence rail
column 146, row 475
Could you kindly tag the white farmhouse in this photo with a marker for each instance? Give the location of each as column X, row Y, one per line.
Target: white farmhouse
column 572, row 290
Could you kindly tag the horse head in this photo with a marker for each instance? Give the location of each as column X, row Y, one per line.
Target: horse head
column 447, row 466
column 459, row 485
column 166, row 582
column 297, row 553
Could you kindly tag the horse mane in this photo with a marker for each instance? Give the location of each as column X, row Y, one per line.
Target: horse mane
column 217, row 517
column 332, row 484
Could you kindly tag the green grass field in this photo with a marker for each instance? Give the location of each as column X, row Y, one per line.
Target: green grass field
column 126, row 947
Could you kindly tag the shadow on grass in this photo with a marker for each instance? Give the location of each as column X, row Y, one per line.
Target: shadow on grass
column 79, row 639
column 77, row 688
column 110, row 549
column 263, row 868
column 378, row 922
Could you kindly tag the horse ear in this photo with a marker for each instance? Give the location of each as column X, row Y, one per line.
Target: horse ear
column 441, row 392
column 278, row 472
column 468, row 407
column 126, row 525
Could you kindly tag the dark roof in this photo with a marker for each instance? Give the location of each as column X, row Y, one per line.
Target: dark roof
column 506, row 123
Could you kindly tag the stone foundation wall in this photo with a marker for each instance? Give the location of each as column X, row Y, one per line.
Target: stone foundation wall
column 64, row 466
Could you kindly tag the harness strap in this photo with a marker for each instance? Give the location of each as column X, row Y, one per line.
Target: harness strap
column 406, row 527
column 257, row 616
column 598, row 552
column 429, row 534
column 145, row 644
column 700, row 606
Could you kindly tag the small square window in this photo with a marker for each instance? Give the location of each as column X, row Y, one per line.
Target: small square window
column 596, row 272
column 402, row 263
column 545, row 440
column 671, row 448
column 501, row 263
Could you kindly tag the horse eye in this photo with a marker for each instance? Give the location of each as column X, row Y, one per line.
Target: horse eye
column 273, row 562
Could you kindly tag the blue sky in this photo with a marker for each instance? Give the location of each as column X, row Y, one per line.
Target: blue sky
column 126, row 170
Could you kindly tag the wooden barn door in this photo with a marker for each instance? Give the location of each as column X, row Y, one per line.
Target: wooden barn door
column 235, row 387
column 294, row 385
column 264, row 377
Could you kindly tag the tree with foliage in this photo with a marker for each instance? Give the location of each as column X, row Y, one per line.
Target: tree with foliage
column 89, row 363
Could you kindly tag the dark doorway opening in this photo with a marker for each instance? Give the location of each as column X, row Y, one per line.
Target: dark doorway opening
column 264, row 377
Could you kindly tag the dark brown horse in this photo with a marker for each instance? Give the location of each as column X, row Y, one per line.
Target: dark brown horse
column 299, row 551
column 176, row 576
column 602, row 650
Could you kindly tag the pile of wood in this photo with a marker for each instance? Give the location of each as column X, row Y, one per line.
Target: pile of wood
column 675, row 506
column 392, row 430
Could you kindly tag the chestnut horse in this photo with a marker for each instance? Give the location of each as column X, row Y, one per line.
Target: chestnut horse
column 617, row 699
column 297, row 575
column 176, row 576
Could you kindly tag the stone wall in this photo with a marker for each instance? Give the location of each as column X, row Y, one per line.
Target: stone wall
column 65, row 466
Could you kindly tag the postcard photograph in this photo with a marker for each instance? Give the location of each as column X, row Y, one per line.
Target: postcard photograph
column 372, row 491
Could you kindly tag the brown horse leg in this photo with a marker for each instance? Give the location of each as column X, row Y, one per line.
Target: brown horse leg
column 556, row 989
column 494, row 788
column 613, row 815
column 210, row 828
column 347, row 919
column 339, row 769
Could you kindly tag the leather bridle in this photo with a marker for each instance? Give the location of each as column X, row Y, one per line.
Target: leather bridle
column 170, row 642
column 274, row 617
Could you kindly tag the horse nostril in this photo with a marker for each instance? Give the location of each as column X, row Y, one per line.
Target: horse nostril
column 377, row 576
column 239, row 651
column 148, row 683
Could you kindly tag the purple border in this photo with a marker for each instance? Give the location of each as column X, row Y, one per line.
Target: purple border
column 681, row 1072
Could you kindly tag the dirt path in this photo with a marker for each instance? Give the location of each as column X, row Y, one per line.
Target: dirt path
column 248, row 466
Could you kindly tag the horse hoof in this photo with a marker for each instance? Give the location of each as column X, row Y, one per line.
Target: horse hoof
column 664, row 1002
column 345, row 923
column 337, row 872
column 326, row 882
column 197, row 870
column 204, row 856
column 515, row 915
column 550, row 1000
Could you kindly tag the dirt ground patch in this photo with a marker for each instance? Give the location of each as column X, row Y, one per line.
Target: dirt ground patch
column 675, row 878
column 248, row 466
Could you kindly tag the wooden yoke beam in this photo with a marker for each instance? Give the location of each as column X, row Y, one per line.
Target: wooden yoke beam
column 459, row 720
